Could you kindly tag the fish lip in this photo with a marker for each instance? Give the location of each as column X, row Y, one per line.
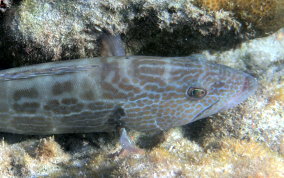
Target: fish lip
column 249, row 87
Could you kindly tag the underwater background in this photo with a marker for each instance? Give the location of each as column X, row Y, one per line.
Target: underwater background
column 246, row 141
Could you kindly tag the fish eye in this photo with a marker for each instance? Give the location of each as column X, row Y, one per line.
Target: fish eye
column 197, row 93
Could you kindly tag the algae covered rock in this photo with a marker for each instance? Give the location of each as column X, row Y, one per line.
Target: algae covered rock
column 176, row 156
column 40, row 31
column 246, row 141
column 264, row 15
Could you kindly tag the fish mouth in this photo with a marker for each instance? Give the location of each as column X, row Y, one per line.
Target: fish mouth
column 249, row 87
column 250, row 84
column 197, row 117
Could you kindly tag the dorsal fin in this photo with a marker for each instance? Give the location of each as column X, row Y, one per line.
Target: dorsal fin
column 111, row 45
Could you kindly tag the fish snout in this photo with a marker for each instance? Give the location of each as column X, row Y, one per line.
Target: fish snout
column 248, row 88
column 249, row 84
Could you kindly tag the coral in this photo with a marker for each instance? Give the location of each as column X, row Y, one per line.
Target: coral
column 175, row 156
column 214, row 5
column 281, row 150
column 14, row 161
column 246, row 141
column 31, row 157
column 248, row 159
column 237, row 158
column 47, row 149
column 261, row 13
column 42, row 31
column 278, row 95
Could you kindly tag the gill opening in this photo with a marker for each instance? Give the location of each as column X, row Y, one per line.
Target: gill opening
column 201, row 112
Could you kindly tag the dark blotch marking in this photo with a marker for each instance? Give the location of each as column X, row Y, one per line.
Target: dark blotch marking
column 25, row 93
column 77, row 107
column 69, row 101
column 87, row 88
column 26, row 107
column 67, row 105
column 4, row 107
column 109, row 92
column 88, row 95
column 59, row 88
column 54, row 106
column 51, row 105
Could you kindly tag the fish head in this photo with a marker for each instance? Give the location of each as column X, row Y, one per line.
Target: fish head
column 178, row 91
column 213, row 88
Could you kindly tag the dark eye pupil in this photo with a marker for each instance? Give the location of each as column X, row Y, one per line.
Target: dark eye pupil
column 196, row 93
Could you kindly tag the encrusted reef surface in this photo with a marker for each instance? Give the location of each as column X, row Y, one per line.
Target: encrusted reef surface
column 246, row 141
column 44, row 30
column 265, row 15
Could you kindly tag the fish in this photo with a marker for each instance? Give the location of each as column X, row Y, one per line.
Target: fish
column 143, row 93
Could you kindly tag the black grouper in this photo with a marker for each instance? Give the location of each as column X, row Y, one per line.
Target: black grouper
column 100, row 94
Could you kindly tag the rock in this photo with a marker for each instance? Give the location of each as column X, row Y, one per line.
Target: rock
column 42, row 30
column 245, row 141
column 264, row 15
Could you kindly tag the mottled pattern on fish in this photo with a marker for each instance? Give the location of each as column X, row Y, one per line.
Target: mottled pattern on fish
column 99, row 94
